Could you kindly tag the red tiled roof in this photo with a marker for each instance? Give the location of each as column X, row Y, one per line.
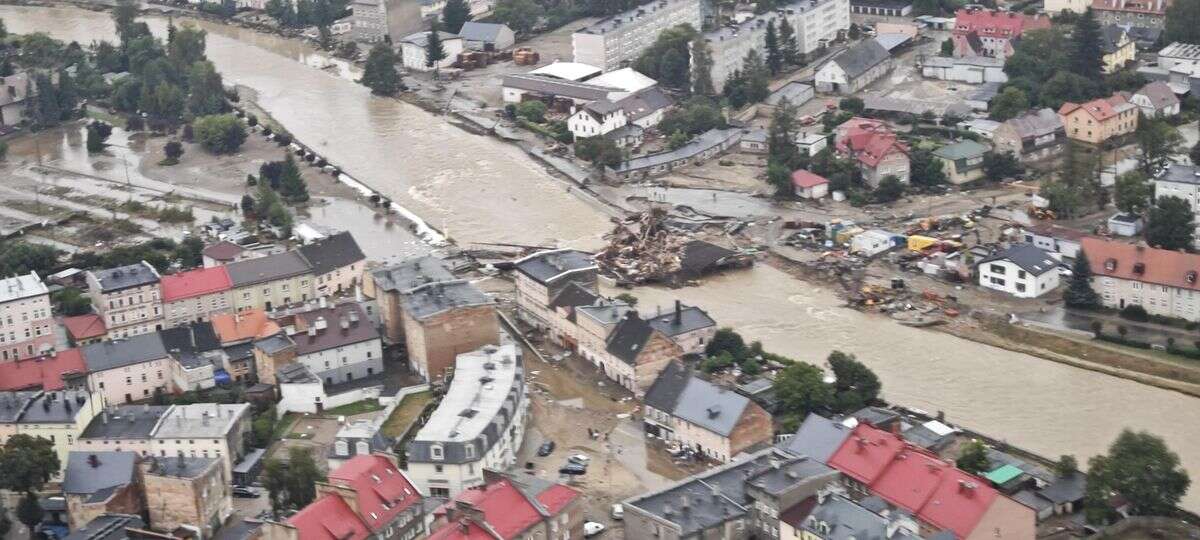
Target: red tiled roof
column 85, row 326
column 997, row 24
column 193, row 283
column 43, row 372
column 869, row 141
column 329, row 518
column 1101, row 109
column 249, row 324
column 805, row 179
column 383, row 491
column 223, row 251
column 911, row 478
column 505, row 509
column 1145, row 264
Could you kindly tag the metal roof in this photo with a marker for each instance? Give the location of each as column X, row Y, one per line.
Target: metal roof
column 122, row 352
column 85, row 474
column 332, row 252
column 1003, row 474
column 964, row 149
column 711, row 407
column 411, row 273
column 270, row 268
column 818, row 437
column 545, row 266
column 124, row 277
column 1030, row 258
column 479, row 31
column 126, row 422
column 858, row 59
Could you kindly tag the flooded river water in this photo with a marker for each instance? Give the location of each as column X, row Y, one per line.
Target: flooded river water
column 484, row 190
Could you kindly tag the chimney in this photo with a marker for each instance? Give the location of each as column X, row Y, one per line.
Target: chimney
column 344, row 323
column 312, row 331
column 678, row 312
column 966, row 488
column 353, row 316
column 320, row 323
column 104, row 417
column 180, row 460
column 684, row 505
column 321, row 302
column 94, row 461
column 860, row 444
column 204, row 418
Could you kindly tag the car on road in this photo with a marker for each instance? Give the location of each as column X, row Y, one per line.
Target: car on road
column 581, row 459
column 573, row 469
column 244, row 493
column 546, row 449
column 592, row 528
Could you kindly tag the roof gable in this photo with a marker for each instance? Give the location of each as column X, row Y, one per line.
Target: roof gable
column 383, row 490
column 329, row 518
column 332, row 252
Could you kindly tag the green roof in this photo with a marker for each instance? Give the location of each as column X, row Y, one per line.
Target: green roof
column 1003, row 475
column 960, row 150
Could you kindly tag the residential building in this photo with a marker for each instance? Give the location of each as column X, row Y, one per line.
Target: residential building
column 123, row 428
column 1099, row 120
column 202, row 430
column 191, row 493
column 615, row 41
column 26, row 323
column 337, row 263
column 736, row 501
column 834, row 516
column 703, row 147
column 109, row 527
column 1156, row 100
column 962, row 161
column 125, row 370
column 596, row 119
column 1119, row 49
column 511, row 507
column 358, row 438
column 50, row 372
column 444, row 319
column 873, row 11
column 984, row 32
column 1144, row 13
column 196, row 295
column 413, row 50
column 199, row 363
column 1022, row 270
column 366, row 498
column 688, row 326
column 481, row 36
column 1180, row 181
column 387, row 285
column 128, row 298
column 968, row 69
column 810, row 143
column 809, row 185
column 876, row 463
column 878, row 151
column 1127, row 225
column 374, row 20
column 478, row 425
column 1163, row 282
column 1032, row 136
column 269, row 282
column 851, row 70
column 225, row 252
column 1184, row 57
column 635, row 353
column 336, row 343
column 97, row 483
column 1054, row 238
column 237, row 333
column 702, row 417
column 59, row 417
column 594, row 322
column 818, row 438
column 1054, row 7
column 542, row 275
column 14, row 98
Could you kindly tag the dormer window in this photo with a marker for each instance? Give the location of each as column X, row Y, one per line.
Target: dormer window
column 1190, row 276
column 435, row 452
column 363, row 448
column 341, row 448
column 470, row 451
column 1110, row 265
column 1139, row 268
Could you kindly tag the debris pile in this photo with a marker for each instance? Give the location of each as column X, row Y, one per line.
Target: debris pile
column 642, row 249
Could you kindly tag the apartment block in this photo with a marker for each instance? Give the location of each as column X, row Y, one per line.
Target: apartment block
column 196, row 295
column 128, row 299
column 25, row 320
column 616, row 41
column 59, row 417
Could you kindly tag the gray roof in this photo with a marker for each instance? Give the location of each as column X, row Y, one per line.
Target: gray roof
column 1028, row 257
column 818, row 437
column 181, row 467
column 274, row 344
column 977, row 61
column 12, row 404
column 358, row 328
column 125, row 422
column 1032, row 499
column 797, row 93
column 876, row 416
column 60, row 407
column 964, row 149
column 629, row 338
column 1183, row 174
column 544, row 266
column 124, row 277
column 645, row 103
column 664, row 393
column 270, row 268
column 1159, row 94
column 557, row 87
column 691, row 318
column 107, row 527
column 1110, row 38
column 1066, row 488
column 243, row 529
column 573, row 295
column 926, row 438
column 849, row 521
column 699, row 144
column 604, row 311
column 776, row 480
column 602, row 107
column 1036, row 123
column 858, row 59
column 83, row 476
column 21, row 286
column 295, row 373
column 123, row 352
column 478, row 31
column 435, row 298
column 421, row 39
column 711, row 407
column 332, row 252
column 196, row 337
column 411, row 273
column 200, row 420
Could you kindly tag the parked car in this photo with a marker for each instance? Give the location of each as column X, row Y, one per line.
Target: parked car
column 592, row 528
column 573, row 469
column 546, row 449
column 244, row 493
column 581, row 459
column 618, row 512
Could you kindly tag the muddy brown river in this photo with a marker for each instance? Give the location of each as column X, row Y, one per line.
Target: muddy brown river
column 484, row 190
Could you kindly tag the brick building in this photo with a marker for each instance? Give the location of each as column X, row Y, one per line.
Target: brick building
column 444, row 319
column 186, row 492
column 541, row 276
column 337, row 263
column 635, row 353
column 517, row 507
column 96, row 483
column 712, row 421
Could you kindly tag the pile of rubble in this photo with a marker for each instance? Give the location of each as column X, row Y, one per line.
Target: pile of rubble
column 642, row 249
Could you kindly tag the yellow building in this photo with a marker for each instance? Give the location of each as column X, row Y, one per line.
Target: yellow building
column 1099, row 120
column 59, row 417
column 1119, row 48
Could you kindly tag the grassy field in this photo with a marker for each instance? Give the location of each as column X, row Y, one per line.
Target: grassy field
column 358, row 407
column 406, row 413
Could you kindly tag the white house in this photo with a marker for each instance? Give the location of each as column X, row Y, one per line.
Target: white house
column 1022, row 270
column 872, row 242
column 1182, row 181
column 1054, row 238
column 412, row 50
column 809, row 185
column 487, row 36
column 1156, row 100
column 1122, row 224
column 811, row 143
column 854, row 68
column 596, row 118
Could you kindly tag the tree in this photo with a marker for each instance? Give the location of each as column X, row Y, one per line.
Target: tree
column 1087, row 51
column 889, row 189
column 855, row 385
column 247, row 206
column 947, row 49
column 788, row 45
column 750, row 366
column 973, row 458
column 779, row 176
column 18, row 257
column 189, row 252
column 1159, row 140
column 692, row 117
column 726, row 340
column 302, row 476
column 781, row 137
column 1066, row 466
column 1194, row 154
column 771, row 44
column 275, row 480
column 455, row 13
column 219, row 134
column 852, row 104
column 1182, row 22
column 291, row 184
column 5, row 522
column 207, row 92
column 28, row 463
column 668, row 59
column 434, row 52
column 599, row 150
column 749, row 84
column 1169, row 225
column 702, row 62
column 1079, row 293
column 801, row 390
column 1132, row 193
column 520, row 15
column 29, row 512
column 173, row 150
column 1142, row 469
column 379, row 72
column 926, row 170
column 1011, row 102
column 1068, row 86
column 164, row 103
column 124, row 16
column 186, row 47
column 71, row 301
column 97, row 133
column 998, row 166
column 533, row 111
column 629, row 299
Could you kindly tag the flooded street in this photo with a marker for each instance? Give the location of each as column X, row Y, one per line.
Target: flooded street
column 1044, row 406
column 483, row 190
column 475, row 187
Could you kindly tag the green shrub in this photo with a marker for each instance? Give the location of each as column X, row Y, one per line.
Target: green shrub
column 219, row 133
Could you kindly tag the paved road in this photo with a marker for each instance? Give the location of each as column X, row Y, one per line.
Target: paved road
column 1058, row 317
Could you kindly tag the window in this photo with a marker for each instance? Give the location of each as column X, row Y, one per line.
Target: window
column 437, row 469
column 996, row 269
column 435, row 452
